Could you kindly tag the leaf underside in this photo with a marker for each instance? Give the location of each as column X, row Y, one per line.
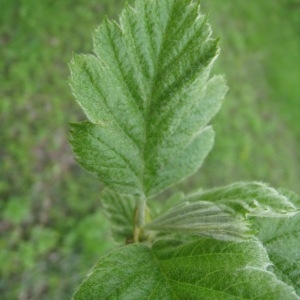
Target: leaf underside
column 120, row 211
column 249, row 199
column 172, row 269
column 223, row 212
column 281, row 238
column 202, row 218
column 148, row 97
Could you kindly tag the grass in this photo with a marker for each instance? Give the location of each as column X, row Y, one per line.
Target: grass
column 258, row 126
column 51, row 227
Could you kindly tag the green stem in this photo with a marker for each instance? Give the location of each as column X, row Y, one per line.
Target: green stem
column 140, row 215
column 141, row 211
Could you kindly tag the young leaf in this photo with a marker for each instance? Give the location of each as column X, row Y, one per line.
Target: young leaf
column 160, row 206
column 197, row 269
column 281, row 238
column 120, row 211
column 202, row 218
column 250, row 199
column 148, row 97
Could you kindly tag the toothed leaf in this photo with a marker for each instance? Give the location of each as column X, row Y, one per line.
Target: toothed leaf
column 148, row 96
column 281, row 238
column 120, row 211
column 173, row 269
column 202, row 218
column 249, row 199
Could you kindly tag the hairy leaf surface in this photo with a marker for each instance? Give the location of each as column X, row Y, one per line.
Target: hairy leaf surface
column 202, row 218
column 120, row 211
column 197, row 269
column 250, row 199
column 148, row 97
column 222, row 212
column 281, row 238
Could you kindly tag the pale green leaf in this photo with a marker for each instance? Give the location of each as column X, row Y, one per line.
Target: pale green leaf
column 281, row 238
column 120, row 211
column 250, row 199
column 196, row 269
column 164, row 203
column 222, row 212
column 148, row 97
column 202, row 218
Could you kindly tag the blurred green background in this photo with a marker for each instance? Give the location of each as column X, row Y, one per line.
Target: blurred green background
column 51, row 227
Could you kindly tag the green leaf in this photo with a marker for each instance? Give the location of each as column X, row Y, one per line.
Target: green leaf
column 148, row 97
column 249, row 199
column 120, row 211
column 164, row 203
column 281, row 238
column 173, row 269
column 222, row 212
column 202, row 218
